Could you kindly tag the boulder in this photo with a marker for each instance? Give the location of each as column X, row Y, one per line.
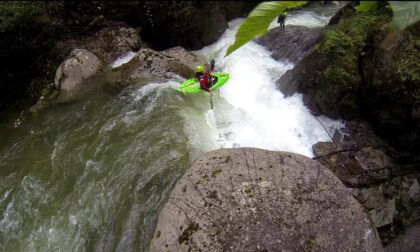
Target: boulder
column 383, row 215
column 108, row 43
column 371, row 197
column 256, row 200
column 292, row 43
column 149, row 65
column 186, row 57
column 72, row 74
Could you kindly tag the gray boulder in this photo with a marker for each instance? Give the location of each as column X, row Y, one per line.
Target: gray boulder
column 71, row 75
column 256, row 200
column 384, row 214
column 149, row 65
column 292, row 43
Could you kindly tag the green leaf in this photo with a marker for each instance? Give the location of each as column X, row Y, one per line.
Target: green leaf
column 404, row 13
column 257, row 22
column 366, row 6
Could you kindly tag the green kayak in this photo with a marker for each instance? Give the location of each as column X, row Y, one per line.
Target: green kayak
column 192, row 85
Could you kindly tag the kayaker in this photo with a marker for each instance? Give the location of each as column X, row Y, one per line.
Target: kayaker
column 282, row 17
column 204, row 78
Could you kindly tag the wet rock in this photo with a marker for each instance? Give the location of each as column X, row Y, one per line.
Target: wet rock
column 324, row 148
column 292, row 43
column 188, row 58
column 72, row 74
column 409, row 241
column 149, row 65
column 255, row 200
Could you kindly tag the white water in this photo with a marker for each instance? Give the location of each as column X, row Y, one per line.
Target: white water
column 126, row 57
column 249, row 111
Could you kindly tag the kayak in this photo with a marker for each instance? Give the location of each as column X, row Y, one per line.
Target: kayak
column 192, row 85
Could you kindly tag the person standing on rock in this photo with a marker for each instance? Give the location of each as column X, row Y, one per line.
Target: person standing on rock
column 282, row 17
column 204, row 78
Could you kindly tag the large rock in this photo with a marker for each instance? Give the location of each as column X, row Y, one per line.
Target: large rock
column 149, row 65
column 108, row 43
column 72, row 74
column 255, row 200
column 292, row 43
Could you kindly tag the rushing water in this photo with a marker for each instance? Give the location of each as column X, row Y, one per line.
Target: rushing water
column 92, row 175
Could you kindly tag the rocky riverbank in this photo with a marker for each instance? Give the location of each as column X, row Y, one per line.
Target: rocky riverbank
column 40, row 35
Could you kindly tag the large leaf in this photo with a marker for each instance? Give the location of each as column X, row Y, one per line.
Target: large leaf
column 366, row 6
column 257, row 22
column 404, row 13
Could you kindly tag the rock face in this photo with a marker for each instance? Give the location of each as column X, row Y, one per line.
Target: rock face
column 390, row 96
column 355, row 167
column 383, row 180
column 256, row 200
column 72, row 73
column 292, row 44
column 108, row 43
column 149, row 65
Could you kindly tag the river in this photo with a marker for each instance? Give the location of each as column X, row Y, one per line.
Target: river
column 93, row 175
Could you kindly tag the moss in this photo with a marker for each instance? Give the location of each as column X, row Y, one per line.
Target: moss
column 343, row 44
column 17, row 14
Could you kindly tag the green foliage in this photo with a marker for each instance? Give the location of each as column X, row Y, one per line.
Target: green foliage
column 345, row 76
column 335, row 43
column 366, row 6
column 405, row 13
column 257, row 22
column 409, row 64
column 17, row 14
column 343, row 44
column 349, row 36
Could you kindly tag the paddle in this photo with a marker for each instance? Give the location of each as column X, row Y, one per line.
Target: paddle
column 212, row 63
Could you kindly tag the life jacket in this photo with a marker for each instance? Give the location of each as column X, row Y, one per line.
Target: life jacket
column 204, row 80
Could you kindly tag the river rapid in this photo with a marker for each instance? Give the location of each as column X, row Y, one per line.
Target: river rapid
column 93, row 175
